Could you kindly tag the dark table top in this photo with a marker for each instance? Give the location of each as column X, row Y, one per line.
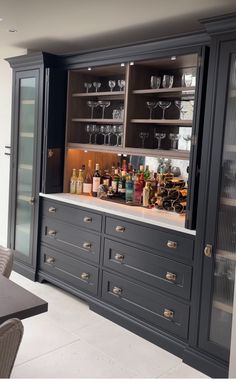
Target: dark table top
column 17, row 302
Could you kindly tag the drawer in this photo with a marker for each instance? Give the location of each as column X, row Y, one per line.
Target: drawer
column 76, row 273
column 152, row 307
column 71, row 214
column 72, row 239
column 149, row 268
column 178, row 246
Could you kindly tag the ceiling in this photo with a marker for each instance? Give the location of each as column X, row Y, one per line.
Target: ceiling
column 64, row 26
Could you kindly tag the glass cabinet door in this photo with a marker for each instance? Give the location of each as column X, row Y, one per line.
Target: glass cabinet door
column 25, row 148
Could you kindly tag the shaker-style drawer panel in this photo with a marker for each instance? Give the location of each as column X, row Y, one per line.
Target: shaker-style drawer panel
column 151, row 269
column 177, row 246
column 153, row 307
column 72, row 215
column 76, row 273
column 66, row 237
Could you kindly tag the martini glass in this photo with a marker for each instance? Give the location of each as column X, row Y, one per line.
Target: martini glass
column 92, row 105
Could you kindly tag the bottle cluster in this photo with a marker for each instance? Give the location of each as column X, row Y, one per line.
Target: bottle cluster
column 141, row 188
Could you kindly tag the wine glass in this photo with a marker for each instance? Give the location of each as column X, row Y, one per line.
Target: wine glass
column 120, row 131
column 115, row 132
column 187, row 80
column 87, row 86
column 108, row 131
column 121, row 84
column 159, row 137
column 97, row 85
column 174, row 139
column 143, row 135
column 167, row 81
column 164, row 105
column 95, row 130
column 151, row 106
column 155, row 82
column 88, row 129
column 180, row 106
column 103, row 133
column 112, row 84
column 103, row 105
column 92, row 105
column 187, row 139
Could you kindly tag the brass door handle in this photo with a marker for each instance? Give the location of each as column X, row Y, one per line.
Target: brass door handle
column 170, row 276
column 85, row 276
column 117, row 291
column 50, row 260
column 120, row 228
column 208, row 250
column 87, row 245
column 119, row 257
column 52, row 233
column 168, row 313
column 87, row 219
column 171, row 244
column 52, row 209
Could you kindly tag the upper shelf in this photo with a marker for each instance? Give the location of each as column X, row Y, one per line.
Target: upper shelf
column 175, row 122
column 178, row 91
column 114, row 94
column 98, row 120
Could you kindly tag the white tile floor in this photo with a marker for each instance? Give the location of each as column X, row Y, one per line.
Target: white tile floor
column 70, row 341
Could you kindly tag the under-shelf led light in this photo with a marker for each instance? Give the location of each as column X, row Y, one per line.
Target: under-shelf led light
column 89, row 68
column 122, row 64
column 131, row 63
column 173, row 58
column 85, row 151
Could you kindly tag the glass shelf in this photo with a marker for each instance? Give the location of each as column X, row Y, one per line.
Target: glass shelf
column 98, row 120
column 175, row 122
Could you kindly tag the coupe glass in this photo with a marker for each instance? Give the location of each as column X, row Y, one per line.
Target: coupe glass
column 97, row 85
column 103, row 105
column 88, row 129
column 187, row 80
column 174, row 140
column 112, row 84
column 151, row 106
column 155, row 82
column 187, row 139
column 159, row 137
column 121, row 84
column 87, row 86
column 167, row 81
column 180, row 106
column 92, row 105
column 164, row 105
column 143, row 135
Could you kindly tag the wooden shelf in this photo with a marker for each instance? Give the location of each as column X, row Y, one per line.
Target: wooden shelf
column 170, row 91
column 228, row 202
column 223, row 306
column 116, row 94
column 174, row 122
column 98, row 120
column 225, row 255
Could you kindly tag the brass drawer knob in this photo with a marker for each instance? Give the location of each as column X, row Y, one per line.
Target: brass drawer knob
column 52, row 233
column 52, row 209
column 119, row 257
column 50, row 260
column 168, row 313
column 87, row 245
column 120, row 228
column 85, row 276
column 87, row 219
column 117, row 291
column 171, row 244
column 170, row 276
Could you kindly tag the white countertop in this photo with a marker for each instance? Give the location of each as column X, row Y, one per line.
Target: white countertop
column 164, row 219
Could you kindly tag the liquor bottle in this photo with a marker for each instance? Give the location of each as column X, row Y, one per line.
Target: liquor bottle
column 129, row 189
column 106, row 178
column 121, row 185
column 146, row 194
column 124, row 166
column 138, row 190
column 147, row 173
column 96, row 180
column 73, row 181
column 79, row 183
column 141, row 168
column 115, row 181
column 88, row 180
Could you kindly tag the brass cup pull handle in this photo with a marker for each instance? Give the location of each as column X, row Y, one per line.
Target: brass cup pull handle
column 52, row 209
column 117, row 291
column 50, row 260
column 119, row 257
column 85, row 276
column 32, row 200
column 171, row 244
column 120, row 228
column 87, row 219
column 87, row 245
column 170, row 276
column 168, row 313
column 52, row 233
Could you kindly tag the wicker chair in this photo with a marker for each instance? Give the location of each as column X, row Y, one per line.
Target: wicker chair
column 6, row 261
column 11, row 333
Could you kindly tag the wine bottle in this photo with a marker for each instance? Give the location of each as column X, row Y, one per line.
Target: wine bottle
column 73, row 181
column 96, row 180
column 88, row 180
column 79, row 183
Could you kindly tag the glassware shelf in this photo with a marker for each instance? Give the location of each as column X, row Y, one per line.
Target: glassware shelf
column 223, row 306
column 114, row 94
column 228, row 202
column 175, row 122
column 226, row 255
column 181, row 91
column 98, row 120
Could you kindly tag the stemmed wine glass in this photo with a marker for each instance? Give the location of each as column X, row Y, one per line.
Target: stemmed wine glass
column 97, row 85
column 103, row 133
column 151, row 106
column 87, row 86
column 159, row 137
column 187, row 139
column 180, row 106
column 121, row 84
column 88, row 129
column 95, row 131
column 108, row 131
column 174, row 139
column 120, row 131
column 167, row 81
column 164, row 105
column 143, row 135
column 92, row 105
column 112, row 84
column 103, row 105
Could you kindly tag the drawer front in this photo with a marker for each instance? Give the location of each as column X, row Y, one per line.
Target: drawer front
column 175, row 245
column 72, row 215
column 66, row 237
column 154, row 270
column 76, row 273
column 152, row 307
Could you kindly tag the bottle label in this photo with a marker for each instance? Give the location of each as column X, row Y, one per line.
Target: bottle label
column 72, row 187
column 96, row 183
column 114, row 185
column 87, row 188
column 79, row 187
